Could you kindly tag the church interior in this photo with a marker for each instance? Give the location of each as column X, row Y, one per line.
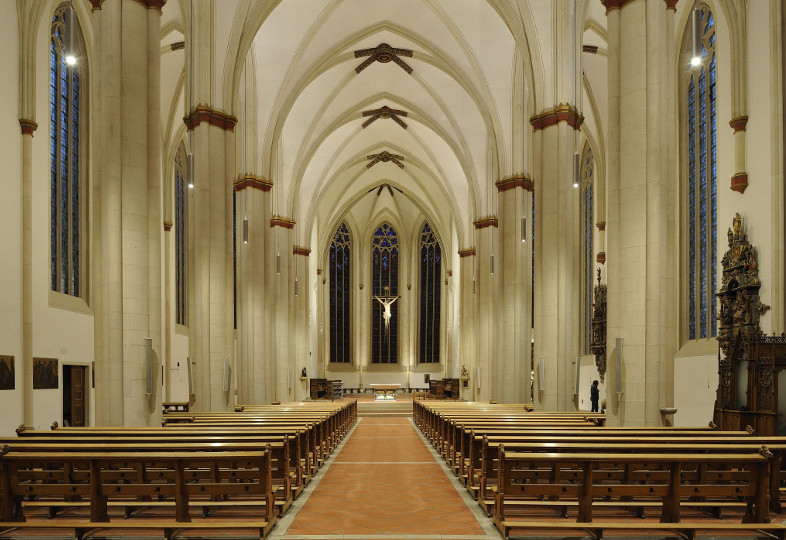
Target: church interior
column 253, row 244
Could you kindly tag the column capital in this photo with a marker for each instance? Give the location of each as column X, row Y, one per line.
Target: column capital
column 615, row 4
column 601, row 225
column 488, row 221
column 601, row 257
column 513, row 182
column 214, row 117
column 671, row 4
column 168, row 225
column 150, row 4
column 300, row 250
column 564, row 112
column 739, row 123
column 28, row 126
column 280, row 221
column 468, row 252
column 739, row 182
column 254, row 182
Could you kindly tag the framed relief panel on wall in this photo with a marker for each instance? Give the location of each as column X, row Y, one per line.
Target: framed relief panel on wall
column 7, row 374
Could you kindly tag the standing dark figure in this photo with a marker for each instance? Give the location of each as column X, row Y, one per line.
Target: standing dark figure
column 594, row 395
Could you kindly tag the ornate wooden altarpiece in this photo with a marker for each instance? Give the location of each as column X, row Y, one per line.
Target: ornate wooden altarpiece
column 748, row 361
column 598, row 341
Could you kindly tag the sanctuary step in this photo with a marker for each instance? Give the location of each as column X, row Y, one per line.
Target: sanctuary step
column 385, row 408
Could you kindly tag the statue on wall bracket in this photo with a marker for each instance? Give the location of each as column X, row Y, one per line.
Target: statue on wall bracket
column 598, row 341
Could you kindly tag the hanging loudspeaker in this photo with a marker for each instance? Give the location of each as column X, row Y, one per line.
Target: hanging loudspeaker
column 149, row 366
column 226, row 374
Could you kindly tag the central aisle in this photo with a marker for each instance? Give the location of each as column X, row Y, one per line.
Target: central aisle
column 385, row 481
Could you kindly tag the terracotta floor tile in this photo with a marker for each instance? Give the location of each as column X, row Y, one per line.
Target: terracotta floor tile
column 384, row 480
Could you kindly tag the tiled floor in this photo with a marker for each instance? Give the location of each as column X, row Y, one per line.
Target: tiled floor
column 384, row 482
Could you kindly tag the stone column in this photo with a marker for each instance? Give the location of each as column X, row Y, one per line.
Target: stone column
column 556, row 294
column 514, row 313
column 26, row 366
column 253, row 204
column 210, row 320
column 299, row 322
column 466, row 323
column 640, row 212
column 486, row 305
column 281, row 291
column 127, row 198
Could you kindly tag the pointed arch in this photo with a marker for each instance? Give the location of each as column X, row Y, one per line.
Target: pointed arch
column 68, row 91
column 340, row 275
column 430, row 296
column 587, row 244
column 699, row 164
column 384, row 287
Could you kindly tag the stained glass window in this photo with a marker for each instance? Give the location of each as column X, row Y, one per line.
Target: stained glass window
column 181, row 207
column 701, row 178
column 384, row 287
column 430, row 295
column 340, row 283
column 587, row 251
column 65, row 131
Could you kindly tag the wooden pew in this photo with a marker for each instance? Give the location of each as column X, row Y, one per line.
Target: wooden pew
column 137, row 479
column 590, row 480
column 284, row 481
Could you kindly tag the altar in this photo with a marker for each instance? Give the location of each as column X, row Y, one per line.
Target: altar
column 384, row 392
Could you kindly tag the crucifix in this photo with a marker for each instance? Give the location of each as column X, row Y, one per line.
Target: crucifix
column 386, row 301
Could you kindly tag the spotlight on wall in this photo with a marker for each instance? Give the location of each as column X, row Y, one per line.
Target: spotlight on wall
column 695, row 25
column 70, row 58
column 190, row 170
column 576, row 171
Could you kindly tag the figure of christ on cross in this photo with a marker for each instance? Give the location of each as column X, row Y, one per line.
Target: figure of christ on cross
column 386, row 302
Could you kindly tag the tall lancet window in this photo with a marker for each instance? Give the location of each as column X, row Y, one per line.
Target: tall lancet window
column 587, row 248
column 384, row 292
column 430, row 295
column 67, row 136
column 181, row 223
column 699, row 145
column 340, row 274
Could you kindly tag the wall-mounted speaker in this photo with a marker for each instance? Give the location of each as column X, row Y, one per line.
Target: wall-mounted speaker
column 477, row 377
column 578, row 375
column 226, row 374
column 149, row 366
column 190, row 375
column 618, row 366
column 541, row 374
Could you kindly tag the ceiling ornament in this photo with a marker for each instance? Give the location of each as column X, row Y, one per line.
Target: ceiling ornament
column 385, row 157
column 384, row 113
column 383, row 186
column 383, row 53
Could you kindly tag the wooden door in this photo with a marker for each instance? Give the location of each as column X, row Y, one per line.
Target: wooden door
column 75, row 406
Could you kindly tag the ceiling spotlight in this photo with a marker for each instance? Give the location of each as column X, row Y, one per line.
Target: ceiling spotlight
column 70, row 60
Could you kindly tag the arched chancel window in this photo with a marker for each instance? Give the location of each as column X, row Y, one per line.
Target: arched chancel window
column 67, row 137
column 384, row 287
column 340, row 274
column 181, row 205
column 587, row 229
column 430, row 295
column 699, row 111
